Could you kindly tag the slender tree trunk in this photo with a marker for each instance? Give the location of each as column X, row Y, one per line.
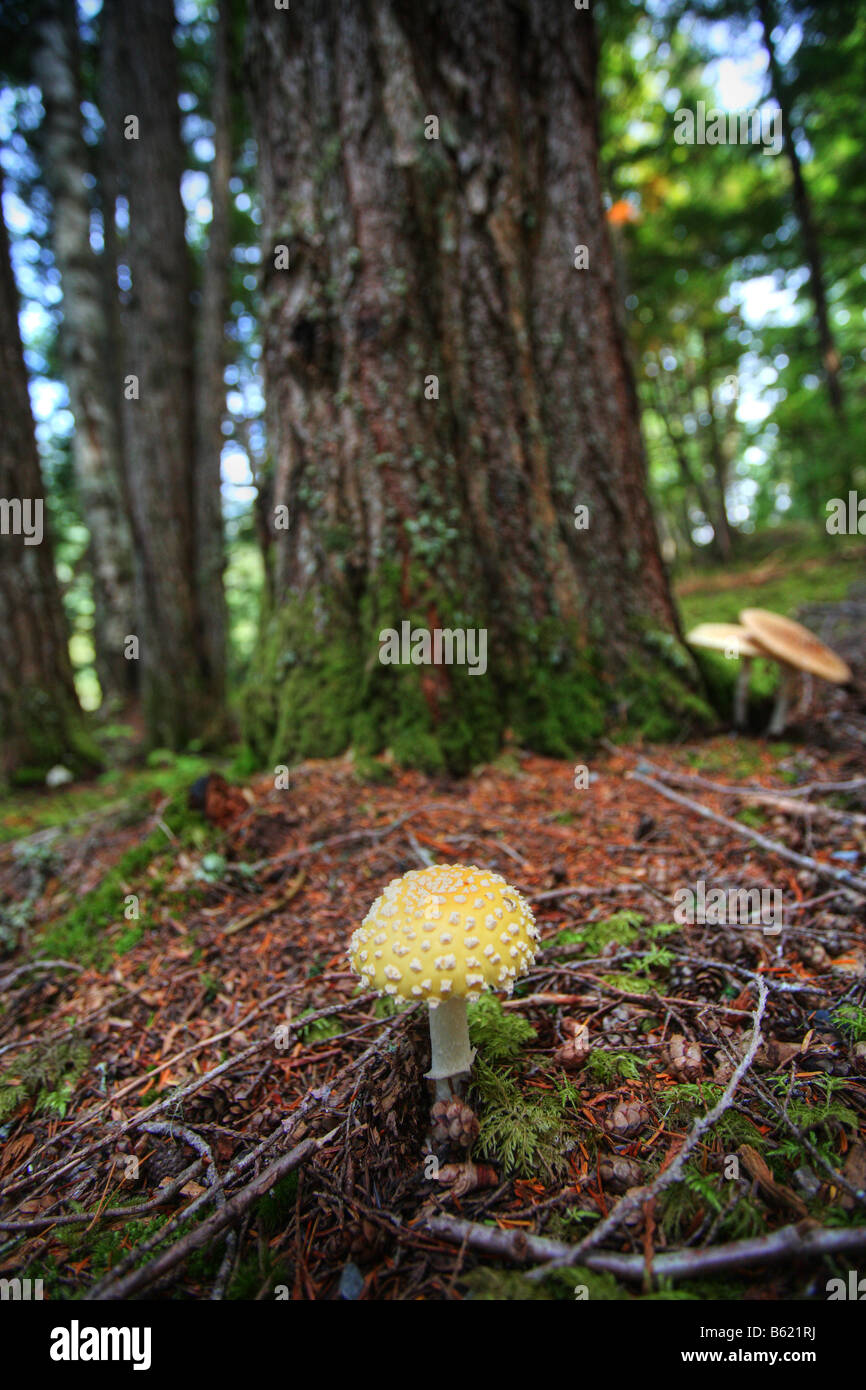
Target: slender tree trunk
column 803, row 208
column 210, row 364
column 718, row 463
column 668, row 408
column 85, row 340
column 40, row 719
column 414, row 258
column 180, row 692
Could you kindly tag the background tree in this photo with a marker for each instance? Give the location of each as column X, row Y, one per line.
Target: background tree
column 182, row 662
column 86, row 348
column 40, row 719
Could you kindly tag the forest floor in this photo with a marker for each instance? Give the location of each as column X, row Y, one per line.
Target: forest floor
column 197, row 1100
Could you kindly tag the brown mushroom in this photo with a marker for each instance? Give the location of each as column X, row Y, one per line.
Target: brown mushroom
column 795, row 649
column 734, row 641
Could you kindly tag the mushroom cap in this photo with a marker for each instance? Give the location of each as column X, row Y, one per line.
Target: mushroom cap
column 445, row 932
column 791, row 642
column 717, row 637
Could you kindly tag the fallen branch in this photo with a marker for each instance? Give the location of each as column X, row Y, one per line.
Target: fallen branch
column 6, row 981
column 127, row 1213
column 268, row 909
column 844, row 876
column 780, row 801
column 209, row 1229
column 315, row 1097
column 789, row 1242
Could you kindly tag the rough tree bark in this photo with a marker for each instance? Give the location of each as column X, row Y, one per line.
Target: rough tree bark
column 181, row 688
column 40, row 719
column 451, row 257
column 85, row 345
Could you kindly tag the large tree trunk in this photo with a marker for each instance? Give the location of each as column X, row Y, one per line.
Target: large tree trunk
column 455, row 258
column 85, row 344
column 181, row 691
column 40, row 719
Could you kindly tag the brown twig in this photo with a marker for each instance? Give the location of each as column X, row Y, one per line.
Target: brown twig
column 854, row 882
column 800, row 1242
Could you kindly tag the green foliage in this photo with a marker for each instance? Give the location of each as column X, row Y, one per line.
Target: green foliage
column 48, row 1073
column 851, row 1020
column 319, row 1029
column 688, row 1101
column 499, row 1036
column 701, row 1194
column 826, row 1113
column 15, row 918
column 487, row 1284
column 629, row 984
column 526, row 1134
column 276, row 1208
column 211, row 868
column 655, row 958
column 663, row 929
column 80, row 933
column 608, row 1067
column 622, row 928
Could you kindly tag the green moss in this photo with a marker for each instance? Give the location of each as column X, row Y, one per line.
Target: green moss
column 622, row 928
column 499, row 1036
column 486, row 1284
column 607, row 1067
column 527, row 1135
column 317, row 686
column 48, row 1073
column 44, row 729
column 371, row 772
column 80, row 934
column 657, row 691
column 276, row 1207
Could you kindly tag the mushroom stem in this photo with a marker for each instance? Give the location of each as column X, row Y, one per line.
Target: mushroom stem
column 741, row 692
column 451, row 1052
column 783, row 698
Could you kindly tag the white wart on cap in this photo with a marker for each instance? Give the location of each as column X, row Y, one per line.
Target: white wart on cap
column 442, row 935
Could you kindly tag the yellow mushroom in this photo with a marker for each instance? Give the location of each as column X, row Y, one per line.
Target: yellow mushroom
column 442, row 935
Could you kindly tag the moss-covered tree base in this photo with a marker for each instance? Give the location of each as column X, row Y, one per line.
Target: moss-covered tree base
column 40, row 731
column 317, row 688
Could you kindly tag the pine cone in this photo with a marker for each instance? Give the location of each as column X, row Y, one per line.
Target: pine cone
column 575, row 1050
column 619, row 1173
column 453, row 1122
column 812, row 953
column 684, row 1058
column 628, row 1119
